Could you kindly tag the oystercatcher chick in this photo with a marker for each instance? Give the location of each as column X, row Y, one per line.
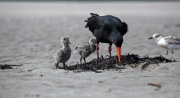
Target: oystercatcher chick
column 63, row 54
column 166, row 41
column 107, row 29
column 86, row 49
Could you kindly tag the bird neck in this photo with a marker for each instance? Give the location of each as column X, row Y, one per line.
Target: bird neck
column 65, row 45
column 92, row 47
column 116, row 38
column 91, row 44
column 158, row 39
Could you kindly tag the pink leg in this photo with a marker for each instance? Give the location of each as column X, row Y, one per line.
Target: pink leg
column 97, row 50
column 109, row 49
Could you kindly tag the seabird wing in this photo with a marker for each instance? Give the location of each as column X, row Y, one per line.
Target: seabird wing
column 172, row 40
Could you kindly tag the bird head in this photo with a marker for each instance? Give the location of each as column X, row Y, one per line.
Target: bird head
column 76, row 49
column 117, row 39
column 65, row 40
column 156, row 36
column 92, row 41
column 81, row 48
column 85, row 48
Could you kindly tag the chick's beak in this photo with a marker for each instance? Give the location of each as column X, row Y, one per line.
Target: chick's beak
column 150, row 38
column 119, row 54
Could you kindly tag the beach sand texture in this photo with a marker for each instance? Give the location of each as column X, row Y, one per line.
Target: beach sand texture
column 30, row 33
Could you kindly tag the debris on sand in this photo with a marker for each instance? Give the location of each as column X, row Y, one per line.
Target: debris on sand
column 158, row 86
column 131, row 60
column 8, row 66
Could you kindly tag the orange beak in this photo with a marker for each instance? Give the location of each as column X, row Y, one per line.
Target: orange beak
column 119, row 54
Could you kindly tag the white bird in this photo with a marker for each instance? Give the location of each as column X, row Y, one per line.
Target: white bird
column 63, row 54
column 86, row 49
column 166, row 41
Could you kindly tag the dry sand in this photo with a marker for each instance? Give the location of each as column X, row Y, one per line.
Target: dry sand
column 30, row 34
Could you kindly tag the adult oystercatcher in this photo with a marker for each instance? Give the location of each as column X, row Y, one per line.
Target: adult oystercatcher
column 107, row 29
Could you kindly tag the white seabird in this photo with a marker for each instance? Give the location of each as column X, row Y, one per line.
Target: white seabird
column 166, row 41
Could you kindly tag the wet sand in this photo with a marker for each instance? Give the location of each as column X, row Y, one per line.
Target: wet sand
column 30, row 33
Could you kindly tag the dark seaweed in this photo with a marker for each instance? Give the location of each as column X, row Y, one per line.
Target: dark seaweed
column 108, row 63
column 8, row 66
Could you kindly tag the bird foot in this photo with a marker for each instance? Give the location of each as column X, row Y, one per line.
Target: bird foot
column 57, row 67
column 98, row 60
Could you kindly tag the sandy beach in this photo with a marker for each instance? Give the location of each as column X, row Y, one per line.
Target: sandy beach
column 30, row 33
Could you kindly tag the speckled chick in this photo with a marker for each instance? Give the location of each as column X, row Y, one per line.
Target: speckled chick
column 63, row 54
column 86, row 49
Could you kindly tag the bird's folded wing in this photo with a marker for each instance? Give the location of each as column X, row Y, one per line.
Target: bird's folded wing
column 58, row 54
column 172, row 40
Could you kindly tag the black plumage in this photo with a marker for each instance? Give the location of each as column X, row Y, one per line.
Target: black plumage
column 107, row 29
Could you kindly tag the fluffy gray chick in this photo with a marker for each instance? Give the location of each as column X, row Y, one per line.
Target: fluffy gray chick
column 63, row 54
column 86, row 49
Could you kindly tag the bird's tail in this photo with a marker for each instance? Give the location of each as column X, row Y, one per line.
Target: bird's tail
column 124, row 28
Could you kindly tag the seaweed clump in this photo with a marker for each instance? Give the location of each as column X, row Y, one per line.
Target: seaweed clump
column 8, row 66
column 108, row 63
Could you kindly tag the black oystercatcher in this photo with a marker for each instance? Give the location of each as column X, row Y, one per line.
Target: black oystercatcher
column 107, row 29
